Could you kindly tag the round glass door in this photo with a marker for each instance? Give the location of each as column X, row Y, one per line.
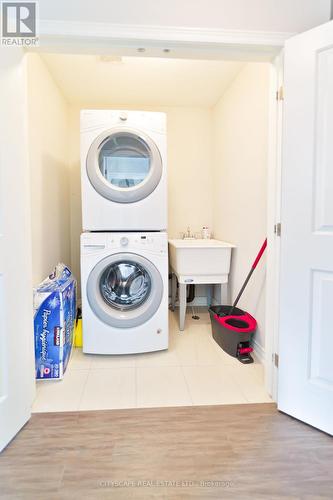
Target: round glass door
column 124, row 165
column 124, row 290
column 125, row 285
column 124, row 160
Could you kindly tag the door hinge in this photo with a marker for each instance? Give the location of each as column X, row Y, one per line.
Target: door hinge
column 280, row 94
column 276, row 359
column 277, row 229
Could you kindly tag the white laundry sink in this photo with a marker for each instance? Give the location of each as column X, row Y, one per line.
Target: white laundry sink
column 200, row 257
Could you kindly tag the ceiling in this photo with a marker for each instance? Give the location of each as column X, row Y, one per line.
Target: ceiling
column 244, row 15
column 101, row 80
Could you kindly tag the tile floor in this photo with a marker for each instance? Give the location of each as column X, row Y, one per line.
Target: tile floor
column 194, row 371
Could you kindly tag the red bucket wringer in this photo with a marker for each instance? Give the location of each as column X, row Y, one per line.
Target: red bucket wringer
column 232, row 327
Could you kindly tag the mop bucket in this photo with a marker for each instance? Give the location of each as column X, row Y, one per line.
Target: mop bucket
column 233, row 332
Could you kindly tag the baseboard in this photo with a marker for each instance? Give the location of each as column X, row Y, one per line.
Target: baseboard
column 258, row 352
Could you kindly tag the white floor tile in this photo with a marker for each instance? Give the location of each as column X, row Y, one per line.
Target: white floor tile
column 194, row 370
column 61, row 395
column 257, row 394
column 159, row 358
column 245, row 374
column 190, row 323
column 195, row 349
column 259, row 371
column 249, row 380
column 161, row 386
column 79, row 361
column 109, row 388
column 186, row 350
column 103, row 361
column 212, row 385
column 225, row 358
column 207, row 354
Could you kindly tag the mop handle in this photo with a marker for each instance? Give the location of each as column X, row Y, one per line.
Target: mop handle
column 254, row 265
column 261, row 251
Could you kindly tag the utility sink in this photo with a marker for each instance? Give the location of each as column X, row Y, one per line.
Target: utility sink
column 199, row 257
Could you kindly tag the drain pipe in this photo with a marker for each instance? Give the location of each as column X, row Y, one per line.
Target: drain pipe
column 191, row 293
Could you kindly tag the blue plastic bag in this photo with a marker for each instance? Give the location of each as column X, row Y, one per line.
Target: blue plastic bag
column 54, row 322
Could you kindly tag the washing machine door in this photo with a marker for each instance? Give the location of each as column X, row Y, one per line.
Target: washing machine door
column 124, row 290
column 124, row 165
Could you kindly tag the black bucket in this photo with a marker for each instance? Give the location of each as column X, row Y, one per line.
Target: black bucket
column 236, row 331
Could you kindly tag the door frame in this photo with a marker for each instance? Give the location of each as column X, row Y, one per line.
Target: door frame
column 197, row 43
column 159, row 41
column 17, row 356
column 274, row 225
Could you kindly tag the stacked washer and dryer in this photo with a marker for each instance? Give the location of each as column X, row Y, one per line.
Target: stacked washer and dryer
column 124, row 246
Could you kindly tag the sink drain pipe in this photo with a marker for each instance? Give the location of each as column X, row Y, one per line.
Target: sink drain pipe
column 191, row 293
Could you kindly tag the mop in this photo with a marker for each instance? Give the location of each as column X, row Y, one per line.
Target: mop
column 254, row 265
column 231, row 319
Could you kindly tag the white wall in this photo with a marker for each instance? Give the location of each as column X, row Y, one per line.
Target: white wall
column 189, row 170
column 257, row 15
column 49, row 171
column 240, row 127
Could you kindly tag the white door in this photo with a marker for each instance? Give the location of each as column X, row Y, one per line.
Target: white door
column 306, row 287
column 16, row 314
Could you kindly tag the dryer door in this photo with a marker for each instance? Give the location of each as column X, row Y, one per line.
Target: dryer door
column 124, row 290
column 124, row 165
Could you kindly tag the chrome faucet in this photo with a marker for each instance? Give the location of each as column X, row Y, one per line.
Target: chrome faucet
column 188, row 234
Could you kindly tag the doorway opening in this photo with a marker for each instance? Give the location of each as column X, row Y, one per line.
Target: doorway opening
column 218, row 138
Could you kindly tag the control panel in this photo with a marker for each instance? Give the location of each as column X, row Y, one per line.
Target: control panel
column 125, row 242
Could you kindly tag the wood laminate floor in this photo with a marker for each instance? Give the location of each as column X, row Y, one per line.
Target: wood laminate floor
column 237, row 451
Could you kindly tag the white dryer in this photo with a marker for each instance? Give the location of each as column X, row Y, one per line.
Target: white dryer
column 124, row 292
column 123, row 170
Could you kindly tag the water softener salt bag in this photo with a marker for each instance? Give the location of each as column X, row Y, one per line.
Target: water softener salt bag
column 54, row 321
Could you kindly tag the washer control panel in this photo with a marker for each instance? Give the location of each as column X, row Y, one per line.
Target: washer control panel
column 124, row 241
column 92, row 243
column 155, row 242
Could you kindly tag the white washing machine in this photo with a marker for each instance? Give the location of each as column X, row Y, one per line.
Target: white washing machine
column 124, row 292
column 123, row 170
